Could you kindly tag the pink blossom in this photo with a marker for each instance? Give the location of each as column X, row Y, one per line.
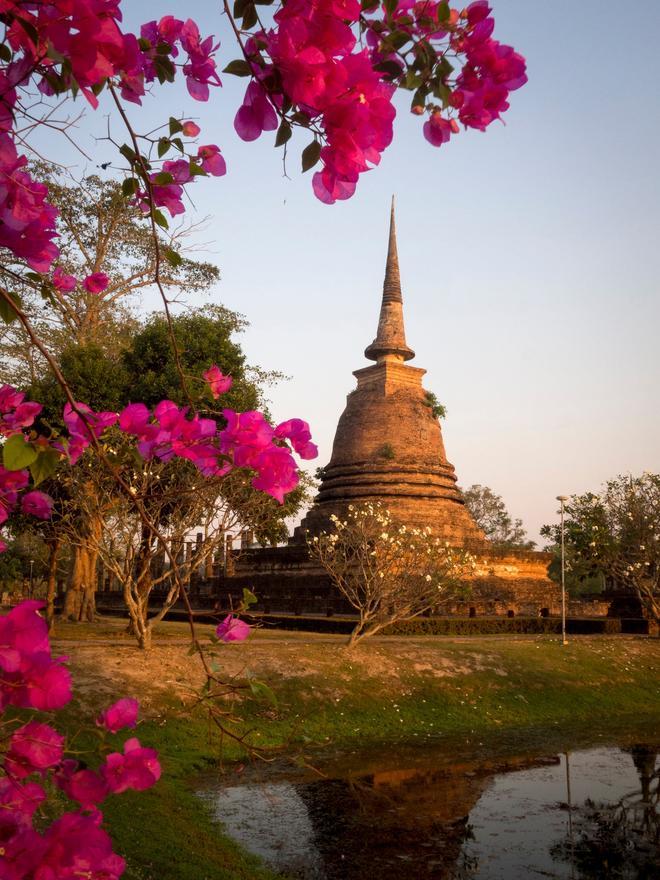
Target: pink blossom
column 437, row 130
column 97, row 282
column 37, row 504
column 138, row 768
column 298, row 433
column 18, row 803
column 76, row 847
column 62, row 281
column 232, row 629
column 84, row 786
column 256, row 115
column 27, row 221
column 33, row 748
column 212, row 160
column 15, row 414
column 191, row 129
column 277, row 473
column 121, row 714
column 217, row 382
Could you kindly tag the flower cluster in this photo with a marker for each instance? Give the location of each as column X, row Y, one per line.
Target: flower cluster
column 75, row 845
column 67, row 47
column 312, row 63
column 442, row 39
column 310, row 70
column 246, row 441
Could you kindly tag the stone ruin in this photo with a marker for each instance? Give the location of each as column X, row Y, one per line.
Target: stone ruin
column 388, row 448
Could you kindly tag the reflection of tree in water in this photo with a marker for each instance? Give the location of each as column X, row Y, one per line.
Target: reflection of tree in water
column 398, row 826
column 618, row 841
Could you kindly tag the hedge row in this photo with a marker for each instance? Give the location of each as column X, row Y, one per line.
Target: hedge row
column 472, row 626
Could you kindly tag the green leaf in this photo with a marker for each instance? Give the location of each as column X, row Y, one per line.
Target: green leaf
column 261, row 691
column 249, row 16
column 191, row 650
column 239, row 67
column 17, row 453
column 178, row 143
column 163, row 146
column 391, row 68
column 311, row 155
column 175, row 125
column 443, row 11
column 239, row 8
column 160, row 219
column 130, row 186
column 6, row 312
column 173, row 257
column 390, row 6
column 44, row 465
column 283, row 133
column 127, row 153
column 248, row 597
column 5, row 52
column 197, row 170
column 163, row 178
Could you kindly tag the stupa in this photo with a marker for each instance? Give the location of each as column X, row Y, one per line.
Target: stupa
column 388, row 447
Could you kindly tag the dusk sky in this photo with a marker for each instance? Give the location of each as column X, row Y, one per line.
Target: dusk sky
column 530, row 255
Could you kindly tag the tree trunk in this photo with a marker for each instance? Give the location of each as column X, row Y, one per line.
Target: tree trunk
column 80, row 599
column 51, row 583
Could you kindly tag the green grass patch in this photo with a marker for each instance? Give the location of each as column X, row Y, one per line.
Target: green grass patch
column 495, row 694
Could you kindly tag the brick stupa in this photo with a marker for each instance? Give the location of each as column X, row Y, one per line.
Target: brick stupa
column 388, row 447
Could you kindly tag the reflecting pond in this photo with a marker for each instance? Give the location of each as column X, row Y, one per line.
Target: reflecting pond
column 587, row 814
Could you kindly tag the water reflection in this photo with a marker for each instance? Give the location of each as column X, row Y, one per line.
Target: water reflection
column 592, row 815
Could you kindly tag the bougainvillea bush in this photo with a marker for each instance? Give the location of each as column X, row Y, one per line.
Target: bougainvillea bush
column 35, row 765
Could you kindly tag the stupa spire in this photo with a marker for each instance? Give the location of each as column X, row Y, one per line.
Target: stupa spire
column 390, row 342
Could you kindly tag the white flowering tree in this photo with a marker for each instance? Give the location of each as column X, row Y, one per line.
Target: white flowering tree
column 388, row 572
column 617, row 532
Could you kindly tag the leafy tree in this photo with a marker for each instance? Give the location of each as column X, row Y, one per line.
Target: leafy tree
column 176, row 496
column 99, row 230
column 617, row 533
column 388, row 572
column 490, row 514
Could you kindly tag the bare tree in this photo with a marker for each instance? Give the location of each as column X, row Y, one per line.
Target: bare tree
column 387, row 571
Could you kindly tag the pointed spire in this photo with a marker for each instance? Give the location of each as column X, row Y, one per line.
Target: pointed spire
column 390, row 341
column 392, row 283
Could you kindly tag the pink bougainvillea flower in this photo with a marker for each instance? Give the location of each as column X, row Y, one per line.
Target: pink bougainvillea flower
column 97, row 282
column 217, row 381
column 37, row 504
column 15, row 414
column 121, row 714
column 298, row 433
column 84, row 786
column 76, row 847
column 437, row 130
column 191, row 129
column 63, row 282
column 33, row 748
column 277, row 473
column 232, row 629
column 18, row 803
column 256, row 115
column 212, row 160
column 138, row 768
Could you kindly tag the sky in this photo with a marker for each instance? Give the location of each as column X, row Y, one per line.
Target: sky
column 530, row 255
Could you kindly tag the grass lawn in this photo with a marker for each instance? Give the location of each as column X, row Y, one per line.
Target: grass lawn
column 485, row 696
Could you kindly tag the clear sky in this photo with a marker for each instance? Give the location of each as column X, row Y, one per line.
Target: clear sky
column 530, row 255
